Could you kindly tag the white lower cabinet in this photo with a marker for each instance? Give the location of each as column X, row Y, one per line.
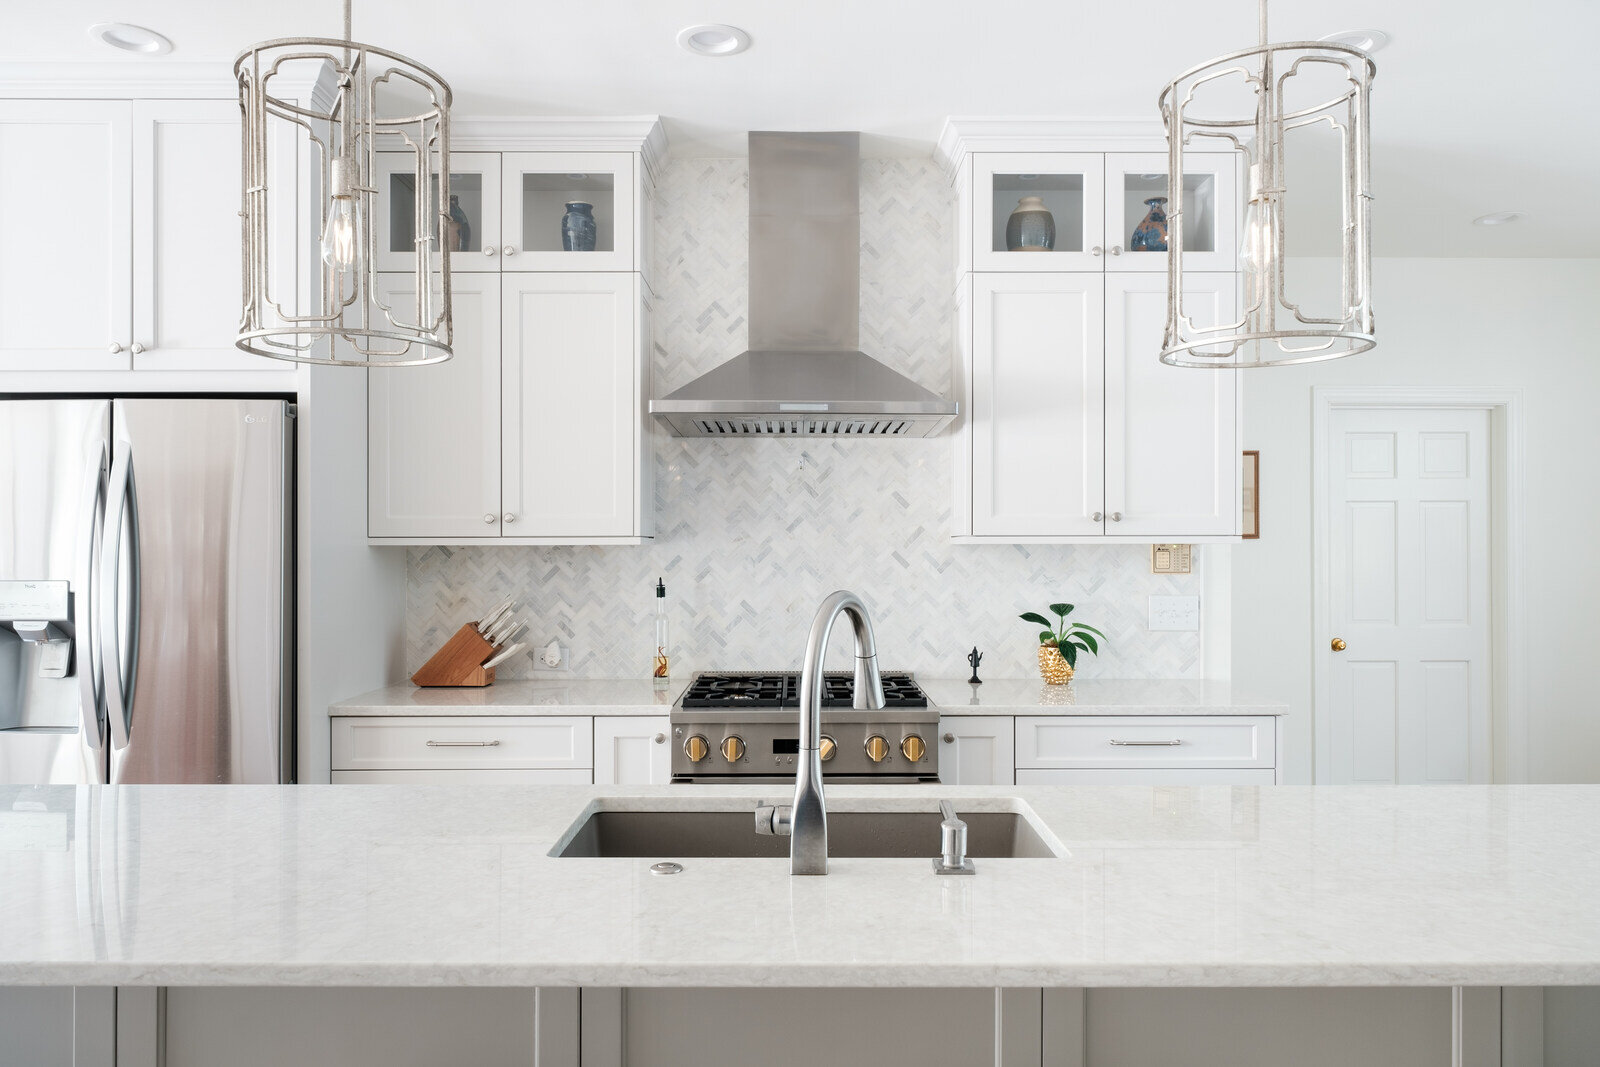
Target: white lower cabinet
column 545, row 750
column 976, row 750
column 632, row 750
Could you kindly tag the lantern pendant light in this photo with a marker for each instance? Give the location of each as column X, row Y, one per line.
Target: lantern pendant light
column 366, row 99
column 1300, row 89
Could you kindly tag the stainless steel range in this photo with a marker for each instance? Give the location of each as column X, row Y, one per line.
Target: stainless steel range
column 741, row 727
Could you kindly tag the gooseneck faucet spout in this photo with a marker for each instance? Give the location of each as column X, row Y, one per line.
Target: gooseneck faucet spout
column 808, row 844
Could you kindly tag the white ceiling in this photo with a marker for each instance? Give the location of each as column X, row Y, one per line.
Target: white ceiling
column 1478, row 106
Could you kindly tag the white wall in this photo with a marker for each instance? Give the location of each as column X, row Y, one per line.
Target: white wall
column 1449, row 322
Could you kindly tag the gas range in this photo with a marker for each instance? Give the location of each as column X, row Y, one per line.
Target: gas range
column 743, row 727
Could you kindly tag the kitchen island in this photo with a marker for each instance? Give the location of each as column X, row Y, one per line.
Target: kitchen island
column 454, row 886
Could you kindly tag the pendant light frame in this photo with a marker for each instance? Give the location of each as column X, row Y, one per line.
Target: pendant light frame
column 1270, row 328
column 381, row 99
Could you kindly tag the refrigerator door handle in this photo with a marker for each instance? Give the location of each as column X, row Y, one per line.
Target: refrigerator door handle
column 84, row 627
column 122, row 504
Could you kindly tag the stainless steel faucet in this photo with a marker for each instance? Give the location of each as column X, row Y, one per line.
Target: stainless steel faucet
column 806, row 821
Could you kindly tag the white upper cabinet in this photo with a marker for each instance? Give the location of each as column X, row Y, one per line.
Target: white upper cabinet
column 1070, row 188
column 66, row 274
column 537, row 191
column 1136, row 183
column 433, row 432
column 1171, row 444
column 474, row 209
column 1036, row 420
column 186, row 281
column 571, row 401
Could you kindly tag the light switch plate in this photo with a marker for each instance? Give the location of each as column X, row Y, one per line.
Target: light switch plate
column 1174, row 613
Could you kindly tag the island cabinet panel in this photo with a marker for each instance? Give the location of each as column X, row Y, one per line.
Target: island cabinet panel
column 469, row 743
column 976, row 750
column 632, row 750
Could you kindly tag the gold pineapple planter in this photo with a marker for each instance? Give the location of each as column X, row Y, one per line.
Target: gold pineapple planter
column 1053, row 666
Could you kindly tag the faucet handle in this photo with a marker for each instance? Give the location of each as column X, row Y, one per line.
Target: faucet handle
column 774, row 820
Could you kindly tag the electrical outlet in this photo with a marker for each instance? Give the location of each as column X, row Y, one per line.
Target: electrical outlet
column 1174, row 613
column 542, row 665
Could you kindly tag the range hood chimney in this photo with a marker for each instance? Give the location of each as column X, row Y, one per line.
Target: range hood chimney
column 804, row 374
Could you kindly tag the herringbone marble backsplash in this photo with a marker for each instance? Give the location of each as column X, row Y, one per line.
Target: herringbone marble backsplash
column 751, row 535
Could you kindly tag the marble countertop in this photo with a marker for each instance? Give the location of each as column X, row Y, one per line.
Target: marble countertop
column 455, row 886
column 999, row 696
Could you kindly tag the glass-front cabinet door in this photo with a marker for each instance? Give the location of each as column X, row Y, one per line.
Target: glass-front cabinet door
column 567, row 211
column 1037, row 211
column 1139, row 214
column 473, row 228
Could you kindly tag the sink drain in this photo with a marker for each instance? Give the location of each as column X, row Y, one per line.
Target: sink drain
column 666, row 868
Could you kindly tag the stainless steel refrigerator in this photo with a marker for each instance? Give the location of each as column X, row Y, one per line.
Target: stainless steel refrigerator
column 146, row 590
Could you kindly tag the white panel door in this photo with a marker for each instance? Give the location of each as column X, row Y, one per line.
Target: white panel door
column 433, row 432
column 66, row 277
column 570, row 420
column 632, row 750
column 977, row 750
column 1172, row 445
column 1409, row 585
column 186, row 285
column 1037, row 419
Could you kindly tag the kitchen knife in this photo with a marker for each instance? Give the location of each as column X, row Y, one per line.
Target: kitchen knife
column 517, row 626
column 504, row 655
column 486, row 624
column 497, row 632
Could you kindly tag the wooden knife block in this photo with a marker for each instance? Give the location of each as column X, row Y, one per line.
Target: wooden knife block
column 459, row 662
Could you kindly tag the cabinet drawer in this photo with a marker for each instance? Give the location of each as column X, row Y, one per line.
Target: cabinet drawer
column 378, row 744
column 465, row 776
column 1146, row 741
column 1146, row 776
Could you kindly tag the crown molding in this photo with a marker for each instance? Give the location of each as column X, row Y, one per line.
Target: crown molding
column 123, row 79
column 962, row 136
column 643, row 134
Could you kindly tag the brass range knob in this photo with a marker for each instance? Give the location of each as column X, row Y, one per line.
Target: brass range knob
column 877, row 748
column 696, row 748
column 733, row 748
column 913, row 748
column 827, row 748
column 1338, row 644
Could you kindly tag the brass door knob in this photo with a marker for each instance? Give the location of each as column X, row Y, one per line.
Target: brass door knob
column 913, row 748
column 827, row 748
column 696, row 748
column 733, row 748
column 877, row 748
column 1338, row 644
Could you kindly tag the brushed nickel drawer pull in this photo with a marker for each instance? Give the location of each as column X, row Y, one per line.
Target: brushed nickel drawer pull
column 1164, row 744
column 462, row 744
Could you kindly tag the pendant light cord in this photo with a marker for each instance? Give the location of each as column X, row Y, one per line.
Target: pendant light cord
column 348, row 38
column 1261, row 21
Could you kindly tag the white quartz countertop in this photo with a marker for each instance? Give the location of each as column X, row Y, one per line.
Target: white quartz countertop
column 1000, row 696
column 455, row 886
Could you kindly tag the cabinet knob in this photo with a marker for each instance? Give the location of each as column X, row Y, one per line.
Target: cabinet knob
column 488, row 520
column 1116, row 516
column 949, row 739
column 1338, row 644
column 510, row 250
column 1116, row 250
column 1096, row 250
column 508, row 517
column 136, row 348
column 114, row 347
column 661, row 739
column 1097, row 516
column 490, row 250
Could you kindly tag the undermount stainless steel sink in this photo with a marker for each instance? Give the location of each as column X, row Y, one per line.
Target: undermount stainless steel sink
column 667, row 835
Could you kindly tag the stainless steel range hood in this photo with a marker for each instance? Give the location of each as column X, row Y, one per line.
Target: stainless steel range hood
column 804, row 375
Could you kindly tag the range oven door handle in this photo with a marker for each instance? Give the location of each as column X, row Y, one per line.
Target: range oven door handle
column 85, row 634
column 120, row 675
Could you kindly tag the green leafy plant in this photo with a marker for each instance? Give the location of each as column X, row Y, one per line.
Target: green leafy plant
column 1068, row 637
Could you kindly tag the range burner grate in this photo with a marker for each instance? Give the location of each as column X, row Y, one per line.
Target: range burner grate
column 782, row 690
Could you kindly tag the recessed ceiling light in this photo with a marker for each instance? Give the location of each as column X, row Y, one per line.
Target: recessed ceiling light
column 1368, row 41
column 1499, row 218
column 713, row 40
column 127, row 38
